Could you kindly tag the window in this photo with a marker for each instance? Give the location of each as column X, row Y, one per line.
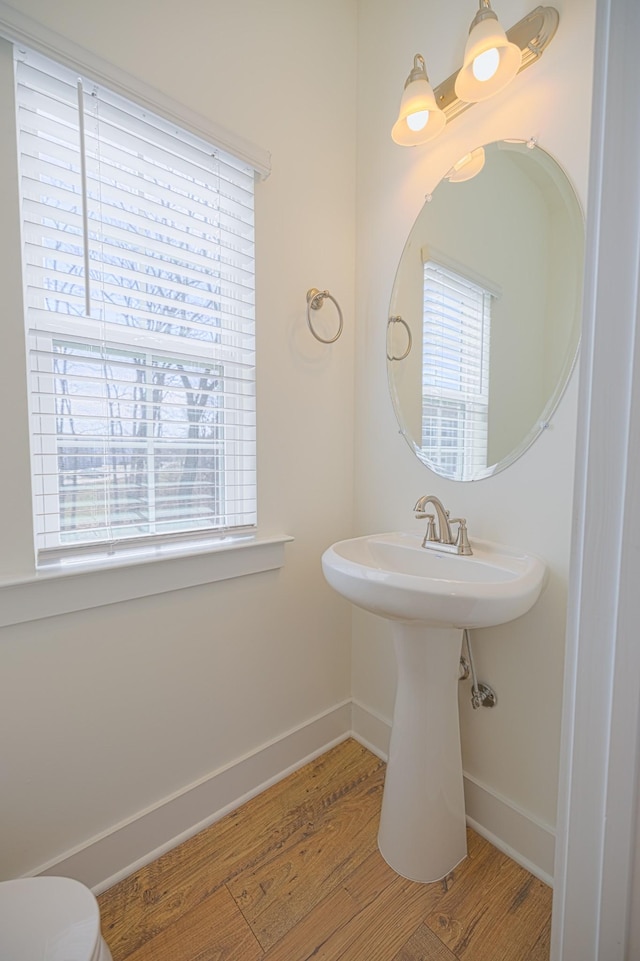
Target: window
column 138, row 246
column 455, row 371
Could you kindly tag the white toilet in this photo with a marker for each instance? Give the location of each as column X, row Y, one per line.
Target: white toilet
column 50, row 919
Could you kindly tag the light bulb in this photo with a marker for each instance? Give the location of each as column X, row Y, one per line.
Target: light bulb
column 486, row 64
column 418, row 121
column 491, row 60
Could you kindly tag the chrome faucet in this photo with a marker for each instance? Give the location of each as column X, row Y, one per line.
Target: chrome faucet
column 442, row 538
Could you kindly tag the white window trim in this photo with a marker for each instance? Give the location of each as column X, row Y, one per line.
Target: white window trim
column 97, row 582
column 81, row 585
column 458, row 267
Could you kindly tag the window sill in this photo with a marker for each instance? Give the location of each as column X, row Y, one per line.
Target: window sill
column 87, row 584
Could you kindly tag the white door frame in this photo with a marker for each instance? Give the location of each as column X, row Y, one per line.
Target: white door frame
column 597, row 813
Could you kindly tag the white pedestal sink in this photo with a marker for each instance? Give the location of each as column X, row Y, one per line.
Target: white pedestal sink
column 429, row 598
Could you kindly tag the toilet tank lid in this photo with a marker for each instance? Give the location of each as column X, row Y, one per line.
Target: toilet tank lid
column 51, row 919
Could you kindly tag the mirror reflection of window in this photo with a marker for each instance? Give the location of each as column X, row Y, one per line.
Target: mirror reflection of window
column 516, row 230
column 455, row 370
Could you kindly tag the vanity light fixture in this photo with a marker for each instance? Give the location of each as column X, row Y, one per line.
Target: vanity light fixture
column 419, row 119
column 490, row 60
column 467, row 167
column 530, row 36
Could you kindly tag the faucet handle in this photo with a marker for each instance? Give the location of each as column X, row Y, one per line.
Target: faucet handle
column 462, row 541
column 430, row 534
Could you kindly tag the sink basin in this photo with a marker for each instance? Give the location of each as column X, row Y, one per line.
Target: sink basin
column 393, row 576
column 429, row 597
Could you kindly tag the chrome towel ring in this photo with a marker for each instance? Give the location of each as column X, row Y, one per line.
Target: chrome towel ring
column 400, row 320
column 315, row 300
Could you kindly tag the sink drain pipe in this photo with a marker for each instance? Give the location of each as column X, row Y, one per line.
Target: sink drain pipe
column 481, row 694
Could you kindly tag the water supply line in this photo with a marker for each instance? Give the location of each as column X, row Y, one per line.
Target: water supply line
column 481, row 694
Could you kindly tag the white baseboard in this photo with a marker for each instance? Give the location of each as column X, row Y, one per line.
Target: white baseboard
column 371, row 729
column 514, row 831
column 106, row 858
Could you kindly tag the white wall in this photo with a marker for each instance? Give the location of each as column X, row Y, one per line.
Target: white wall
column 513, row 749
column 109, row 711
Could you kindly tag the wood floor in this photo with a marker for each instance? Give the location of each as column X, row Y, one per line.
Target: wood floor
column 295, row 874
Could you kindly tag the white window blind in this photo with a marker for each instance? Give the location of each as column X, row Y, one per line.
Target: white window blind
column 455, row 371
column 138, row 245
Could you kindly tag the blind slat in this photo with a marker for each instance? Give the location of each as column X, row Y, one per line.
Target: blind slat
column 118, row 218
column 199, row 271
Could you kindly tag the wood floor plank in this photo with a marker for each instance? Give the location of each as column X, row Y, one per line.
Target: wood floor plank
column 308, row 938
column 370, row 879
column 379, row 931
column 213, row 931
column 142, row 905
column 305, row 939
column 497, row 917
column 541, row 950
column 279, row 893
column 424, row 945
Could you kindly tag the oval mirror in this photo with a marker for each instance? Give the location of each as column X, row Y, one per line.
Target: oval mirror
column 484, row 322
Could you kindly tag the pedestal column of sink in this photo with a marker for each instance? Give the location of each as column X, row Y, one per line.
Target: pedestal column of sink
column 422, row 831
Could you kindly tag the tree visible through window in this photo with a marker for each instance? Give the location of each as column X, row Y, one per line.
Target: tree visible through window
column 455, row 371
column 139, row 271
column 165, row 438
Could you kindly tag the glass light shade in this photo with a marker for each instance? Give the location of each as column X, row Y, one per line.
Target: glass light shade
column 467, row 167
column 411, row 127
column 486, row 36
